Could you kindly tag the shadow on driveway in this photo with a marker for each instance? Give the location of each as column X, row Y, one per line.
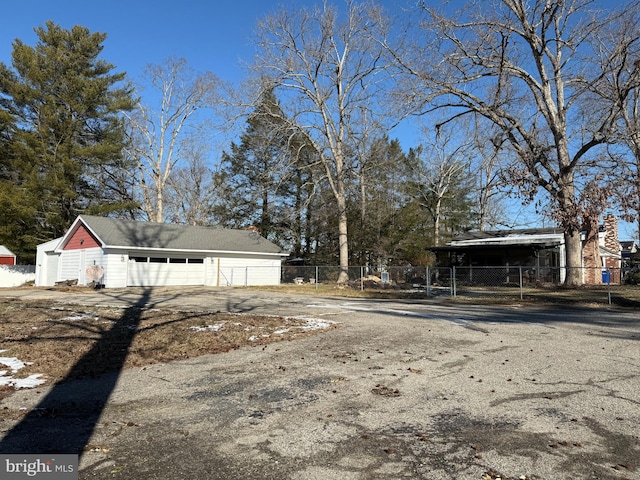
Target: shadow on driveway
column 65, row 419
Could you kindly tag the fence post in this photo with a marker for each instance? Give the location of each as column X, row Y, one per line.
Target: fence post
column 361, row 278
column 609, row 285
column 317, row 277
column 428, row 278
column 454, row 293
column 520, row 268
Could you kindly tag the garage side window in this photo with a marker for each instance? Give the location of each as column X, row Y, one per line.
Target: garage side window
column 158, row 260
column 196, row 260
column 177, row 260
column 138, row 259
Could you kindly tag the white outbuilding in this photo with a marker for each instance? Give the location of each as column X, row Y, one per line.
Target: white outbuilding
column 120, row 253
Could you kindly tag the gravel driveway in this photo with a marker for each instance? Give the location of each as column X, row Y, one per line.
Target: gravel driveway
column 403, row 389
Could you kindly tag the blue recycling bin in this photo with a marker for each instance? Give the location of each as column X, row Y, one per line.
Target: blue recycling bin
column 606, row 276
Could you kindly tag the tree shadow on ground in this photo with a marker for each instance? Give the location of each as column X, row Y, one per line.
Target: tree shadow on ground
column 64, row 421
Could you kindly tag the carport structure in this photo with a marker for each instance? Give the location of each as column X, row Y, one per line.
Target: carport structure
column 129, row 253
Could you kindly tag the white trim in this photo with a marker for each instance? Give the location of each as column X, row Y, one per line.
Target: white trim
column 198, row 251
column 515, row 239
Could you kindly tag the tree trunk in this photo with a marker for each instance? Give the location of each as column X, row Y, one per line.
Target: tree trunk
column 573, row 250
column 436, row 223
column 566, row 197
column 341, row 201
column 159, row 206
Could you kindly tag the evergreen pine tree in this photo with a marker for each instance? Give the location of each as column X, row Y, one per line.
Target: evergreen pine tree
column 63, row 107
column 265, row 179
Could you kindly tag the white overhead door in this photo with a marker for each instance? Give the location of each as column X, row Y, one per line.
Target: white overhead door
column 165, row 271
column 72, row 265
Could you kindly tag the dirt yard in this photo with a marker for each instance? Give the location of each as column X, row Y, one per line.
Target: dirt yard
column 48, row 340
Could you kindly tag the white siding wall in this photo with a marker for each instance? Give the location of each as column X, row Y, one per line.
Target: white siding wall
column 244, row 271
column 227, row 270
column 94, row 256
column 211, row 272
column 115, row 269
column 47, row 263
column 74, row 263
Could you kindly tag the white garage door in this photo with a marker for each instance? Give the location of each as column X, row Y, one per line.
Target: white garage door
column 165, row 271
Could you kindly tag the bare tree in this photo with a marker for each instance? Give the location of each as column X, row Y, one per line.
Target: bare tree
column 627, row 185
column 624, row 75
column 329, row 72
column 156, row 134
column 529, row 68
column 441, row 174
column 491, row 188
column 191, row 189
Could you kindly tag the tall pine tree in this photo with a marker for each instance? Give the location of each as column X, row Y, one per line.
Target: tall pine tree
column 61, row 107
column 267, row 181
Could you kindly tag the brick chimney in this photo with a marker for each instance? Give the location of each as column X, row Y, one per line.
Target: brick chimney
column 611, row 241
column 612, row 244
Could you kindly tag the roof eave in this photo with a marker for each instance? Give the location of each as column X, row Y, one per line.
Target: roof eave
column 187, row 250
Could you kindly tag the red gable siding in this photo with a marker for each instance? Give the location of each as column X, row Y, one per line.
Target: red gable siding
column 7, row 260
column 81, row 238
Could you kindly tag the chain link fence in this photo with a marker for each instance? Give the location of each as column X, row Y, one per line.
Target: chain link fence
column 475, row 281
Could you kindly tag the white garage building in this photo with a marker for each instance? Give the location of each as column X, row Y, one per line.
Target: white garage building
column 121, row 253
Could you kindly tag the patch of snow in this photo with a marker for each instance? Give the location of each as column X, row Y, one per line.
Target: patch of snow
column 209, row 328
column 14, row 364
column 315, row 323
column 281, row 331
column 77, row 318
column 30, row 382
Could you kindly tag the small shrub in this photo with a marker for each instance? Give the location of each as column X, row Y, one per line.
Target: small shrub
column 633, row 277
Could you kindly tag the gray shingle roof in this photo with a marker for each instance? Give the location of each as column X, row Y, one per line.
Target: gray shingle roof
column 114, row 232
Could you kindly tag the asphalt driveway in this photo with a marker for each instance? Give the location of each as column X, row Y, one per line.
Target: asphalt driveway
column 400, row 390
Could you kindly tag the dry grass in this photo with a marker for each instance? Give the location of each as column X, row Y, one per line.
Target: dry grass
column 54, row 339
column 627, row 296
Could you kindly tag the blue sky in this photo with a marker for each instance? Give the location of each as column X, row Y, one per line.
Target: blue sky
column 212, row 35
